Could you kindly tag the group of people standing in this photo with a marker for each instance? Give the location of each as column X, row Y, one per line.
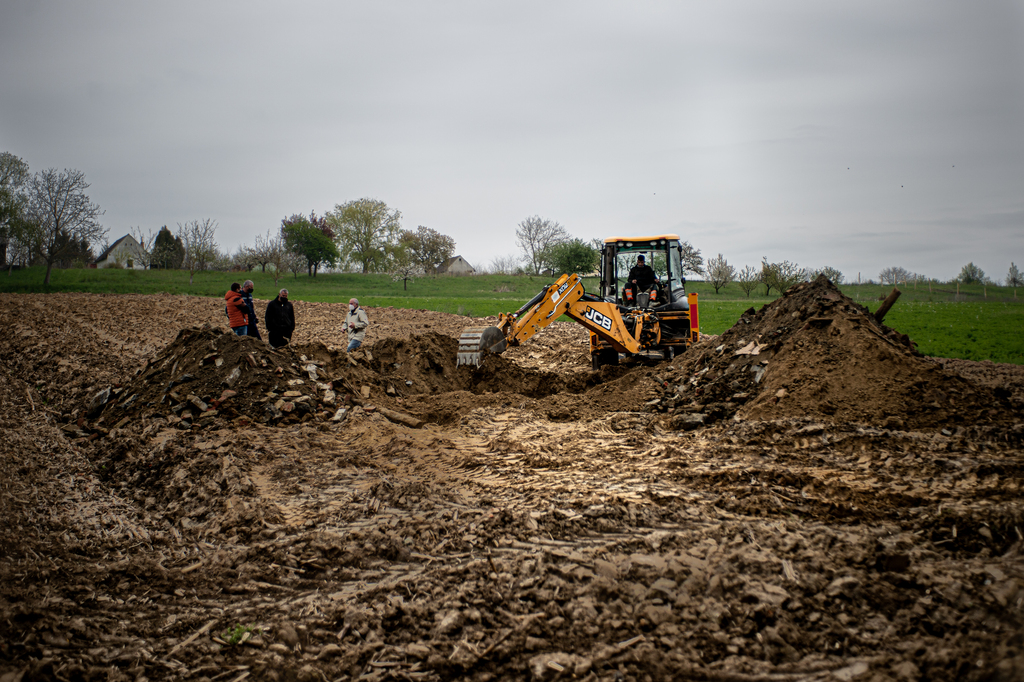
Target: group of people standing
column 280, row 317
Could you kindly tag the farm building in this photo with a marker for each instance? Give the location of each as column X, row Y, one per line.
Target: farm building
column 126, row 252
column 456, row 265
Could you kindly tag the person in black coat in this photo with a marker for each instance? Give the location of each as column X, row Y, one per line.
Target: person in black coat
column 247, row 289
column 280, row 320
column 641, row 278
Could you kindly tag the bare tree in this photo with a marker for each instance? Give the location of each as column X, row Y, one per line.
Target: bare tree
column 197, row 238
column 831, row 274
column 262, row 250
column 1014, row 279
column 244, row 259
column 64, row 219
column 748, row 278
column 894, row 275
column 222, row 261
column 504, row 265
column 404, row 272
column 971, row 274
column 780, row 276
column 691, row 258
column 535, row 236
column 275, row 250
column 720, row 272
column 295, row 263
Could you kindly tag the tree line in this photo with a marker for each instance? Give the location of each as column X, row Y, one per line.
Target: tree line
column 546, row 247
column 48, row 219
column 45, row 218
column 781, row 275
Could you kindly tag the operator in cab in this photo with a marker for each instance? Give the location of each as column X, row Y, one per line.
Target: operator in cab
column 641, row 278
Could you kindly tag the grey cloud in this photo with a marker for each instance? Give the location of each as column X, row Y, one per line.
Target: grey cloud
column 734, row 120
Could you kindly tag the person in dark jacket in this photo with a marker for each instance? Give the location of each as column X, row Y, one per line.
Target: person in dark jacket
column 641, row 278
column 280, row 320
column 642, row 275
column 252, row 329
column 236, row 309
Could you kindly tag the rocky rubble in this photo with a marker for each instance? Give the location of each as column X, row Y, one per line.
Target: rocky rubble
column 207, row 376
column 815, row 352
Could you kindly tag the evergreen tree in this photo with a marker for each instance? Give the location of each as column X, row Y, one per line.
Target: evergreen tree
column 168, row 251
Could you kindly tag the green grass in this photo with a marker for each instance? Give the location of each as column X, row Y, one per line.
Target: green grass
column 972, row 331
column 976, row 322
column 237, row 634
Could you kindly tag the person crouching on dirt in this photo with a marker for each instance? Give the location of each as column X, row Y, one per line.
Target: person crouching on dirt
column 236, row 309
column 252, row 330
column 280, row 319
column 356, row 323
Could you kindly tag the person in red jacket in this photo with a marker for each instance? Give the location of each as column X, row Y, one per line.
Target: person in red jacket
column 236, row 309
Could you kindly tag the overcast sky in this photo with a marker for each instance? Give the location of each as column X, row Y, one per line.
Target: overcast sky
column 857, row 134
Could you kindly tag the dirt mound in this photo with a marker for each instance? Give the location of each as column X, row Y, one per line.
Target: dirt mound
column 815, row 352
column 207, row 375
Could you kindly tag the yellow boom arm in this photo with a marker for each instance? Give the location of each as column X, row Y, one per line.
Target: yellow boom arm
column 564, row 297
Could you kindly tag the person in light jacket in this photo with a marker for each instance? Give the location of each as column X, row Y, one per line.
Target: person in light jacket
column 356, row 323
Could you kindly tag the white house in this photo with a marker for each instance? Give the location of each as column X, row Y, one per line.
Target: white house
column 126, row 251
column 456, row 265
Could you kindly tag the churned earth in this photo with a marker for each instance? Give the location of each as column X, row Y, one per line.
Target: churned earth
column 801, row 498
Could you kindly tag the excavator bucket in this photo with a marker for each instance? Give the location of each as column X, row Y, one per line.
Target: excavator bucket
column 475, row 340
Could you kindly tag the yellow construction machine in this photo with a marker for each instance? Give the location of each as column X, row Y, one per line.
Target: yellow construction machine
column 654, row 314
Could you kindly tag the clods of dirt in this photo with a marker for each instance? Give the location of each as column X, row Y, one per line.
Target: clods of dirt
column 815, row 352
column 206, row 376
column 528, row 519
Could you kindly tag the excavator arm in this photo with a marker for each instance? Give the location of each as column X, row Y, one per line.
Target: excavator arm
column 565, row 297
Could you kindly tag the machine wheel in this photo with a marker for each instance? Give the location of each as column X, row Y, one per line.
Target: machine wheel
column 605, row 356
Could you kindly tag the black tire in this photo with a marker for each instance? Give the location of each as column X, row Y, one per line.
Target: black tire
column 605, row 356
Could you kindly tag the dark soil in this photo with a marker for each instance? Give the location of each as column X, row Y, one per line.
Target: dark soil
column 180, row 503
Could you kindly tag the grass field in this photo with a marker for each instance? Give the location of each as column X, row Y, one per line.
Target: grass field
column 975, row 322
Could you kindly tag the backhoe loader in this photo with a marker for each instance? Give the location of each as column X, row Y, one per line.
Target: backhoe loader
column 621, row 318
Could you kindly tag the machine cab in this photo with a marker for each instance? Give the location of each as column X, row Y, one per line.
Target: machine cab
column 662, row 253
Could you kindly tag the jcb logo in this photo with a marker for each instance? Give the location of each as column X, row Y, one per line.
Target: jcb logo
column 558, row 294
column 598, row 319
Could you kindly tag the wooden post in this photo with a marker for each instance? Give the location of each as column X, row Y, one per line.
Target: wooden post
column 886, row 304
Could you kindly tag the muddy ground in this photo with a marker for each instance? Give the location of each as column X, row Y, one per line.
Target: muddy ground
column 801, row 498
